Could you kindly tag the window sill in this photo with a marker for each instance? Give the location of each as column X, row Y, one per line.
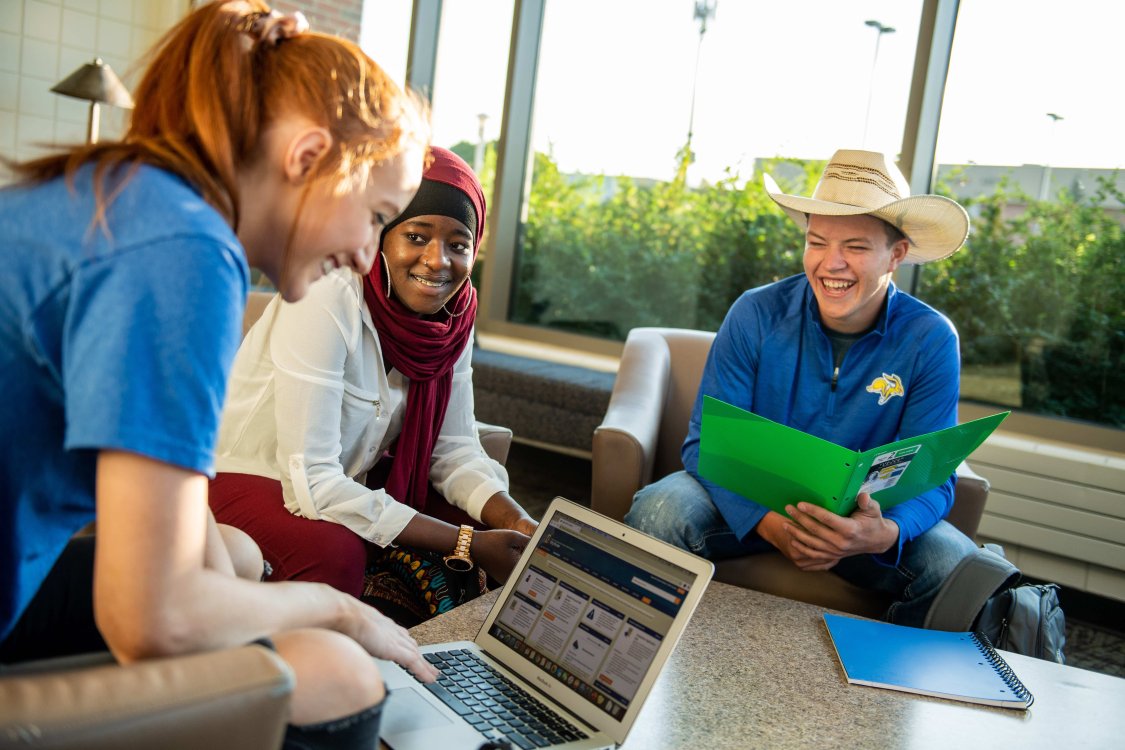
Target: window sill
column 547, row 352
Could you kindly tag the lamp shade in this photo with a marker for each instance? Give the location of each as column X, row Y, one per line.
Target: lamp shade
column 95, row 82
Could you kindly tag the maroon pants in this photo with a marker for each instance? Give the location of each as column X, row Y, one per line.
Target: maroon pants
column 300, row 549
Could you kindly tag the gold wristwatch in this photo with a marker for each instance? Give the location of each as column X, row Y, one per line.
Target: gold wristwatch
column 459, row 559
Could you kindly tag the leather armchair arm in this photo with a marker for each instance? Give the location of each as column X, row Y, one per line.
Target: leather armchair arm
column 235, row 698
column 495, row 440
column 969, row 497
column 624, row 445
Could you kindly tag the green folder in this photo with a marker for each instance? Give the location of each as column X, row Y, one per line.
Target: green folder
column 775, row 465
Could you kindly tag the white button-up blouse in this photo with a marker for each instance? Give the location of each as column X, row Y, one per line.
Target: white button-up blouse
column 311, row 404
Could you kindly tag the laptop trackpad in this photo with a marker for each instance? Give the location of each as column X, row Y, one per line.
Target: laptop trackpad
column 410, row 720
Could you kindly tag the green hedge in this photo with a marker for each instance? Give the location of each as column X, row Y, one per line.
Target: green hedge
column 602, row 257
column 1042, row 284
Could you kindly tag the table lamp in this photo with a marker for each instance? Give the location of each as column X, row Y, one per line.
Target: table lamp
column 96, row 83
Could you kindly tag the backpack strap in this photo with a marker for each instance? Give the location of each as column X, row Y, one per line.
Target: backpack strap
column 975, row 579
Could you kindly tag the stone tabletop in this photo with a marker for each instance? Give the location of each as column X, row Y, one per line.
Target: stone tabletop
column 758, row 671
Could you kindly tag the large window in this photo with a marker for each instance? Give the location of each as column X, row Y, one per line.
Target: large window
column 472, row 64
column 628, row 223
column 1031, row 144
column 385, row 34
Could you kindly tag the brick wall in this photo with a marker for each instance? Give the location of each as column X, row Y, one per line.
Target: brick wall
column 339, row 17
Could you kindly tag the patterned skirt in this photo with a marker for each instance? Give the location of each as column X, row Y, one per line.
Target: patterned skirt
column 411, row 585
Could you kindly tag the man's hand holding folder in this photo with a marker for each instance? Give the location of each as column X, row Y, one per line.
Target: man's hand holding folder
column 816, row 539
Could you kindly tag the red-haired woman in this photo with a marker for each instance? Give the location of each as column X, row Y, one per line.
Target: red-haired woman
column 349, row 430
column 253, row 142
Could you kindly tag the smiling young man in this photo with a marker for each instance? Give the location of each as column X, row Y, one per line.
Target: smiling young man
column 838, row 352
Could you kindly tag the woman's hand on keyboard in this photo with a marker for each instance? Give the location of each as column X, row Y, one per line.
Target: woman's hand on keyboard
column 385, row 639
column 497, row 551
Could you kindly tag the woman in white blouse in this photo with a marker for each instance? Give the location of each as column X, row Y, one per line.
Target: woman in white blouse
column 349, row 429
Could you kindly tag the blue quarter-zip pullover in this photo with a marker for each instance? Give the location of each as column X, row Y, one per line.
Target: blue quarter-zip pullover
column 772, row 357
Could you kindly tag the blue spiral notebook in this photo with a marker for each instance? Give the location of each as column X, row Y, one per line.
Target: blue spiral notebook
column 957, row 666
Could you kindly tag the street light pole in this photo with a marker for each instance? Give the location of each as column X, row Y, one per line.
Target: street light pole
column 704, row 11
column 478, row 153
column 880, row 29
column 1045, row 184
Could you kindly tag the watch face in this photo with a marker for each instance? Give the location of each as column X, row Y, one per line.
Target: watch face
column 459, row 564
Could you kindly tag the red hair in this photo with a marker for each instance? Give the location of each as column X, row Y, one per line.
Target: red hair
column 211, row 90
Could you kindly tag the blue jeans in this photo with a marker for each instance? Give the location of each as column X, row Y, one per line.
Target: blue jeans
column 679, row 510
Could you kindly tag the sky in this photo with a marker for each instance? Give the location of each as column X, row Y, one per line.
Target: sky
column 794, row 78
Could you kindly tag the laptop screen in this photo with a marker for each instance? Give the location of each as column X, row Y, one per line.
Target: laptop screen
column 591, row 610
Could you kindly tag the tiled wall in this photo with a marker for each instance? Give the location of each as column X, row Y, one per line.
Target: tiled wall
column 43, row 41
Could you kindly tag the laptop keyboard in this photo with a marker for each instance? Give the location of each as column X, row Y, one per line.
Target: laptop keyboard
column 491, row 702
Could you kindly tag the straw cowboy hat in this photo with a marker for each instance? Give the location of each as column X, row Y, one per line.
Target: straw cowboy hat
column 865, row 182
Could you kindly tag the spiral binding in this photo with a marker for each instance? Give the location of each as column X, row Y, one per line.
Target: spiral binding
column 1006, row 674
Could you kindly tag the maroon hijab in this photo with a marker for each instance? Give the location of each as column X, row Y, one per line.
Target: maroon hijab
column 424, row 349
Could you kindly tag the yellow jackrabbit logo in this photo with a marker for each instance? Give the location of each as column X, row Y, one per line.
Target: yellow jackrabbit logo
column 887, row 386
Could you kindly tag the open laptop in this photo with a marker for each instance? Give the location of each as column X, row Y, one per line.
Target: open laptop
column 583, row 627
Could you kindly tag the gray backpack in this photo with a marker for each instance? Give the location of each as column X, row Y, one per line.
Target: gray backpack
column 984, row 594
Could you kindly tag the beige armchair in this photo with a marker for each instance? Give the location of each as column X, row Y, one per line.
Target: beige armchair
column 639, row 442
column 235, row 698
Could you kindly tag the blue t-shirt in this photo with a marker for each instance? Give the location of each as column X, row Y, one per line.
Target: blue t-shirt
column 117, row 339
column 772, row 356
